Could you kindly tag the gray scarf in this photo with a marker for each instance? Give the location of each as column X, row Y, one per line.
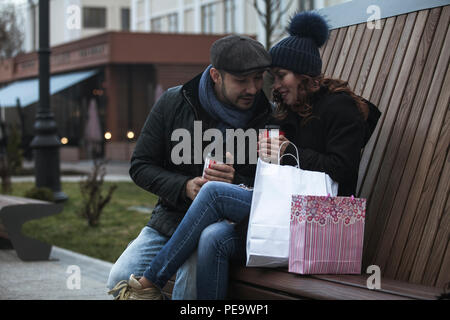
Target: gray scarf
column 226, row 115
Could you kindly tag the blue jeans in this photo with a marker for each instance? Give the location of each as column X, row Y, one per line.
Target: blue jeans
column 139, row 254
column 216, row 201
column 219, row 243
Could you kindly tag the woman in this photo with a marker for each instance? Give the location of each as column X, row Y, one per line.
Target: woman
column 321, row 116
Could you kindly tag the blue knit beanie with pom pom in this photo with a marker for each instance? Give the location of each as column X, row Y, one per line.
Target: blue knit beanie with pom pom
column 300, row 51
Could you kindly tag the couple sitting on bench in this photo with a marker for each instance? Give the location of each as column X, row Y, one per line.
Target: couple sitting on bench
column 199, row 223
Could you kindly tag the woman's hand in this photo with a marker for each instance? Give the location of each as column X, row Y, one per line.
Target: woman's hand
column 268, row 148
column 221, row 171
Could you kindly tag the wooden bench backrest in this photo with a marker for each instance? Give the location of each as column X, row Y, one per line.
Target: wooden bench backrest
column 403, row 68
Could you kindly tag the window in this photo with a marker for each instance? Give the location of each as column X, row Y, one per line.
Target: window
column 208, row 13
column 156, row 24
column 125, row 19
column 230, row 16
column 94, row 17
column 173, row 22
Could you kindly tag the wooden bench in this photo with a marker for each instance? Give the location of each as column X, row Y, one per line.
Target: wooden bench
column 279, row 284
column 14, row 212
column 403, row 68
column 276, row 284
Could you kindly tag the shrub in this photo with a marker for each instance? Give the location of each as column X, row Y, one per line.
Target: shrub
column 11, row 160
column 14, row 151
column 41, row 193
column 5, row 175
column 93, row 200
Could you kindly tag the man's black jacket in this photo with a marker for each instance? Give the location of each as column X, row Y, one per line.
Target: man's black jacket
column 151, row 165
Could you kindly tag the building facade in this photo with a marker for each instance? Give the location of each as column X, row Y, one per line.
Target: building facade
column 212, row 16
column 119, row 75
column 116, row 76
column 71, row 20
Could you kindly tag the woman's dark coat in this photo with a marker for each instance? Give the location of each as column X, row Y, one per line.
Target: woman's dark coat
column 332, row 139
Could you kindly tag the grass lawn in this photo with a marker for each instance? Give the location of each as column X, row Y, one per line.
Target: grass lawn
column 118, row 225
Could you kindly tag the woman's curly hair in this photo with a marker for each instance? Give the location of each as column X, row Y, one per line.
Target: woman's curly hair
column 307, row 90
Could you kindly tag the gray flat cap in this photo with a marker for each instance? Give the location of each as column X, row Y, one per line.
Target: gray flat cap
column 239, row 55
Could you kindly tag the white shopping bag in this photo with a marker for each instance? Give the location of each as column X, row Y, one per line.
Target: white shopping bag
column 269, row 222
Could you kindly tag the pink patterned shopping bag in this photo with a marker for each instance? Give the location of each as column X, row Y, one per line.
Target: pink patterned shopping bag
column 327, row 234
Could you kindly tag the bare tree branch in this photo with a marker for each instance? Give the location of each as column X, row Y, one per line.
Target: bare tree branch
column 262, row 17
column 11, row 37
column 272, row 16
column 281, row 13
column 286, row 9
column 256, row 6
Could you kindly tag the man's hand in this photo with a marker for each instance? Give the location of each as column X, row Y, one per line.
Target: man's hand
column 193, row 187
column 221, row 172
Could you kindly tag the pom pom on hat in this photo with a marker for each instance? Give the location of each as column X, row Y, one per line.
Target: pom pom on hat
column 300, row 51
column 309, row 25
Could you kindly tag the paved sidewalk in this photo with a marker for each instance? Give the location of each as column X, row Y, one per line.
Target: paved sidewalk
column 55, row 279
column 115, row 171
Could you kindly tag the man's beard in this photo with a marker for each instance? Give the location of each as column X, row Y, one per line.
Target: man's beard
column 231, row 103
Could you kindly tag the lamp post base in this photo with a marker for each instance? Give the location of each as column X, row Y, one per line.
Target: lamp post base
column 60, row 196
column 47, row 170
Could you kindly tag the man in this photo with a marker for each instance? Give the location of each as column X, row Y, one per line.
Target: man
column 227, row 95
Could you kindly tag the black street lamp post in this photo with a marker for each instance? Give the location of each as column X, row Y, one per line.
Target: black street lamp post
column 46, row 143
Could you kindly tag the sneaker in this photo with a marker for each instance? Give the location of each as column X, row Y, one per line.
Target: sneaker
column 132, row 290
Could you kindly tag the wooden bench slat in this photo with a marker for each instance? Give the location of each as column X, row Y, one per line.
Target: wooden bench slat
column 402, row 62
column 395, row 83
column 353, row 52
column 426, row 200
column 398, row 41
column 245, row 291
column 388, row 286
column 336, row 49
column 441, row 239
column 382, row 62
column 398, row 147
column 435, row 175
column 326, row 50
column 431, row 249
column 346, row 45
column 362, row 53
column 306, row 286
column 375, row 41
column 411, row 183
column 379, row 85
column 392, row 32
column 442, row 279
column 374, row 77
column 435, row 159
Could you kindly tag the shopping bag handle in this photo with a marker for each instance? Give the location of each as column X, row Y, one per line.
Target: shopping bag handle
column 289, row 154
